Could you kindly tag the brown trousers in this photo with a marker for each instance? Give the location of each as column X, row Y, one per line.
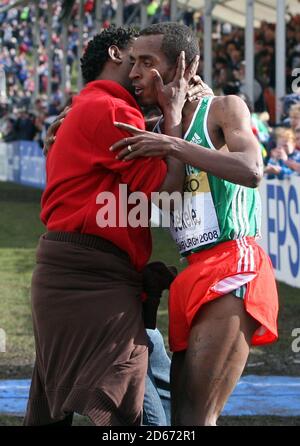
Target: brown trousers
column 91, row 345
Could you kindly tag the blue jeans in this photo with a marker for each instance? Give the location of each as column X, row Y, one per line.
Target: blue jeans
column 157, row 400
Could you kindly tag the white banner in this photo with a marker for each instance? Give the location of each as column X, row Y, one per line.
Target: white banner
column 281, row 227
column 3, row 161
column 22, row 162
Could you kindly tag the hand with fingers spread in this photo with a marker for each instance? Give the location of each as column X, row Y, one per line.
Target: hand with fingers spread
column 172, row 96
column 143, row 144
column 52, row 130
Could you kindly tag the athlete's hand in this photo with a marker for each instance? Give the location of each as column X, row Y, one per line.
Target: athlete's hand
column 172, row 96
column 142, row 144
column 51, row 132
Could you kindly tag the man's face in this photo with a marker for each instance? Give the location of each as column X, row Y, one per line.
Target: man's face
column 230, row 48
column 126, row 68
column 146, row 55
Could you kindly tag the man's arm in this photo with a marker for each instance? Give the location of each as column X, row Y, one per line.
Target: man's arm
column 175, row 177
column 242, row 164
column 171, row 98
column 175, row 180
column 51, row 132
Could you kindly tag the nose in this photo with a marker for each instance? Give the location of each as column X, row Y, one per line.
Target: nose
column 134, row 73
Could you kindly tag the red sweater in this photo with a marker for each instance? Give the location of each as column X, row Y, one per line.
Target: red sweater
column 80, row 166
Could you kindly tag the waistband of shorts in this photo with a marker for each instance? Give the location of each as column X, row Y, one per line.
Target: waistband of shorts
column 220, row 247
column 88, row 241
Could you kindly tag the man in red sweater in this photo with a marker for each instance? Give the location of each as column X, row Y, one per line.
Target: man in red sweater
column 91, row 347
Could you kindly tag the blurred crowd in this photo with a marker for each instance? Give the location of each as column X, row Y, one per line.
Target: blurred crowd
column 282, row 157
column 27, row 116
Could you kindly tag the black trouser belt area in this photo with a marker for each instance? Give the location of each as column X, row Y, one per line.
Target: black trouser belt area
column 87, row 240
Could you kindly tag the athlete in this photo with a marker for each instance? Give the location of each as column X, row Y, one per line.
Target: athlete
column 226, row 299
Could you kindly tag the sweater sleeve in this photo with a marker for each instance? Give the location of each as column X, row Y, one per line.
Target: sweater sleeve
column 143, row 174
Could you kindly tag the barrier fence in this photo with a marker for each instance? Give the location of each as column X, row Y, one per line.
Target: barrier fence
column 23, row 162
column 281, row 227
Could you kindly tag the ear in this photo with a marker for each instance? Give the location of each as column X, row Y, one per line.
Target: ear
column 115, row 54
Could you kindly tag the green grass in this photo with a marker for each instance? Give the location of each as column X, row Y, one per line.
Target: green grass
column 20, row 225
column 20, row 229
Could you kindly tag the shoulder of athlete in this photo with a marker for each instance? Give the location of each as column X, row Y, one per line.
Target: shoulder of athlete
column 229, row 109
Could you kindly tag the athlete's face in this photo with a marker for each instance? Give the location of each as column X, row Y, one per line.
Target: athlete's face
column 145, row 56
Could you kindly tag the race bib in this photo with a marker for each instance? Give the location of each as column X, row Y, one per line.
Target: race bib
column 196, row 223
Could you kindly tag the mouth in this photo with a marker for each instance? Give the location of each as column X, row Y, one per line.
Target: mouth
column 138, row 91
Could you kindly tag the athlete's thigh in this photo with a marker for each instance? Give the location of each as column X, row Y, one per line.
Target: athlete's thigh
column 218, row 349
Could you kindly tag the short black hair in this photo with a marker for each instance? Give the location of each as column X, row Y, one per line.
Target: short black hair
column 232, row 42
column 176, row 38
column 96, row 53
column 221, row 60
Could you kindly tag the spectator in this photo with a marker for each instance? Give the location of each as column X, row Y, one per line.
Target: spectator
column 294, row 115
column 283, row 152
column 240, row 75
column 294, row 163
column 7, row 128
column 259, row 127
column 152, row 8
column 287, row 102
column 228, row 49
column 24, row 126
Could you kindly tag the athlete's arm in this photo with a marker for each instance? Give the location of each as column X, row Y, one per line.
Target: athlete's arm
column 242, row 164
column 234, row 120
column 175, row 177
column 175, row 168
